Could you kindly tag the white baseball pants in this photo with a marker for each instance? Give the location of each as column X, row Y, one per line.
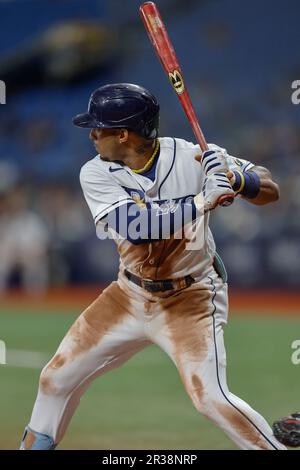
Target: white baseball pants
column 186, row 324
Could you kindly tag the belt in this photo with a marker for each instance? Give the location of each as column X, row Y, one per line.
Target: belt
column 161, row 285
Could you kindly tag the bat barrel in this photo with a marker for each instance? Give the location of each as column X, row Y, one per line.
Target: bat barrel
column 164, row 49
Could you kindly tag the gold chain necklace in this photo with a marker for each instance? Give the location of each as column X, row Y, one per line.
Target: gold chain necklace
column 150, row 161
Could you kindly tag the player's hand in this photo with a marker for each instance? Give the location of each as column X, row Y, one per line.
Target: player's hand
column 215, row 187
column 231, row 177
column 213, row 161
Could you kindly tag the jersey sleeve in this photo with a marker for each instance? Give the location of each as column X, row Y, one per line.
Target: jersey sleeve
column 101, row 192
column 234, row 163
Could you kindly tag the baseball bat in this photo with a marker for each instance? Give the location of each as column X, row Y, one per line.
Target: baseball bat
column 161, row 42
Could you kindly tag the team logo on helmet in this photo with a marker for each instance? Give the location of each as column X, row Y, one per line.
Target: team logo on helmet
column 177, row 81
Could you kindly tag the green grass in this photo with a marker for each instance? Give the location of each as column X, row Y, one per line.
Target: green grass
column 143, row 404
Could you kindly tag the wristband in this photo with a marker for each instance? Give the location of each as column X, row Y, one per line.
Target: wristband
column 247, row 184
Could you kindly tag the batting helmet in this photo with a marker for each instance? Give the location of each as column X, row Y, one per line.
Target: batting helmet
column 122, row 105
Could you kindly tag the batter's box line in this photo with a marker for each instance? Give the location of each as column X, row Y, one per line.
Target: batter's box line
column 2, row 352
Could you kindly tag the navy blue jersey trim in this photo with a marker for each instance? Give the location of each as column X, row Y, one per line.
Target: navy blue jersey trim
column 217, row 368
column 174, row 155
column 248, row 164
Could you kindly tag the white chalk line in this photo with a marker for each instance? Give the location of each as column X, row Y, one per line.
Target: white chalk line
column 26, row 359
column 37, row 360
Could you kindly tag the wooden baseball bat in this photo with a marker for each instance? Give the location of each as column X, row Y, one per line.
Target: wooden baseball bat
column 165, row 51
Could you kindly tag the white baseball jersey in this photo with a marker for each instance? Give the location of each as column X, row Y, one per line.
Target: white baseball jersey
column 179, row 176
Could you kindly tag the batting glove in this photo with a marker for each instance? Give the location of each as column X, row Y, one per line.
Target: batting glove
column 214, row 161
column 216, row 186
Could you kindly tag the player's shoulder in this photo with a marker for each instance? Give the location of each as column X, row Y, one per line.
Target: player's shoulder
column 186, row 147
column 216, row 147
column 95, row 167
column 180, row 147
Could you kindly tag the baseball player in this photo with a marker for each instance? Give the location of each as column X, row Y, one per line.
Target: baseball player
column 154, row 196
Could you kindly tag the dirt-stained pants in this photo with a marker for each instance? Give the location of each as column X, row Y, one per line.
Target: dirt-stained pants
column 186, row 324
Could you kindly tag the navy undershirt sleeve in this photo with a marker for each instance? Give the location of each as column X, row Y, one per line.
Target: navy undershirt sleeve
column 148, row 224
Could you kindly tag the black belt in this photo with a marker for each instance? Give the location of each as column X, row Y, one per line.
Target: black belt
column 161, row 285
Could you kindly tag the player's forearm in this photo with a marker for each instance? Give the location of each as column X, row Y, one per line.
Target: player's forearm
column 255, row 185
column 268, row 189
column 149, row 224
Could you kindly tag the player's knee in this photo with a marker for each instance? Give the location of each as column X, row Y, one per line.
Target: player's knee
column 205, row 399
column 47, row 381
column 208, row 407
column 200, row 398
column 50, row 380
column 204, row 406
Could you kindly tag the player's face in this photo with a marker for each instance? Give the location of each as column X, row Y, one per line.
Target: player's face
column 106, row 142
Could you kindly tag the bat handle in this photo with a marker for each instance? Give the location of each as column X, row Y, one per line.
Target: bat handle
column 225, row 200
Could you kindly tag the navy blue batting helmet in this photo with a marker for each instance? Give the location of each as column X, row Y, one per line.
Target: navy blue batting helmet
column 122, row 105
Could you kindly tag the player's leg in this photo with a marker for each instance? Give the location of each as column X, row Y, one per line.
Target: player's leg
column 191, row 332
column 105, row 335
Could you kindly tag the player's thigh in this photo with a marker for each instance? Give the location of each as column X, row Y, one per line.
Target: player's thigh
column 103, row 336
column 192, row 331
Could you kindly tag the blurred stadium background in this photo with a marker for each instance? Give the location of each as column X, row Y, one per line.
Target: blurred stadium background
column 239, row 60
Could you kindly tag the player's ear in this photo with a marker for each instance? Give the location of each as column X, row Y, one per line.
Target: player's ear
column 123, row 135
column 93, row 134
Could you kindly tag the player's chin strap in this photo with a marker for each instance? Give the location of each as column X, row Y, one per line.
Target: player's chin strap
column 36, row 441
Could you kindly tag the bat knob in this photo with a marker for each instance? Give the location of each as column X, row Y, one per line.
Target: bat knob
column 225, row 200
